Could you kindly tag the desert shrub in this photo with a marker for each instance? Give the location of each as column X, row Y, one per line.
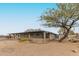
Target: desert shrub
column 69, row 40
column 74, row 41
column 22, row 39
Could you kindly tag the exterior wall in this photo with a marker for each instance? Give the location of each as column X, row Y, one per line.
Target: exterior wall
column 36, row 35
column 53, row 37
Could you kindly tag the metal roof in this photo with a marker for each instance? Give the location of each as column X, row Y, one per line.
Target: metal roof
column 34, row 30
column 37, row 30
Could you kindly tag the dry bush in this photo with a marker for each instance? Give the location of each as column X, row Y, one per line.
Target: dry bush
column 22, row 39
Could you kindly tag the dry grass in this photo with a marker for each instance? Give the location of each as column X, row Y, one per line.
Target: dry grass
column 16, row 48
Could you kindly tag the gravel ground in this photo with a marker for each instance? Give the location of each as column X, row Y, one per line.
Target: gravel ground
column 16, row 48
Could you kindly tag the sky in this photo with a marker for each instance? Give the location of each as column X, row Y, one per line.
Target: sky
column 18, row 17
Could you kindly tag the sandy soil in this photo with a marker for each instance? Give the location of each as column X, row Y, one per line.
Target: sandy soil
column 15, row 48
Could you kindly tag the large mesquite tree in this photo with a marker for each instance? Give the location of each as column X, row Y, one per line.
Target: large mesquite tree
column 65, row 16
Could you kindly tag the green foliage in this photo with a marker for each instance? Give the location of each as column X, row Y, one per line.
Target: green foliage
column 63, row 16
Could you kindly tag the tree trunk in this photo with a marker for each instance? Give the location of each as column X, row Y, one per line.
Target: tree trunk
column 65, row 35
column 67, row 32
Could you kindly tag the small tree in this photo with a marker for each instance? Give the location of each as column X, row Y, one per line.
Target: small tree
column 64, row 16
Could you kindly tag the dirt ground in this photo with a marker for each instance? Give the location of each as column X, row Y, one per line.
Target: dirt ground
column 16, row 48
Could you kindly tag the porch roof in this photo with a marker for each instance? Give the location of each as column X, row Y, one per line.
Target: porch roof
column 33, row 30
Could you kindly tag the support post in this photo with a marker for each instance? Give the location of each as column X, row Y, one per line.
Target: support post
column 44, row 36
column 29, row 36
column 49, row 36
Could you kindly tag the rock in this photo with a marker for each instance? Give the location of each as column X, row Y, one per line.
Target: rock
column 74, row 50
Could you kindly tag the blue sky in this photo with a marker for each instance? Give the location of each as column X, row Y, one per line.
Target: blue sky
column 22, row 16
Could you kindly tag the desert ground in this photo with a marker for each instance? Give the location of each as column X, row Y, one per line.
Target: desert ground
column 54, row 48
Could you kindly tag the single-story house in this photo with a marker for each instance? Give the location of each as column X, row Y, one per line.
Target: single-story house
column 35, row 35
